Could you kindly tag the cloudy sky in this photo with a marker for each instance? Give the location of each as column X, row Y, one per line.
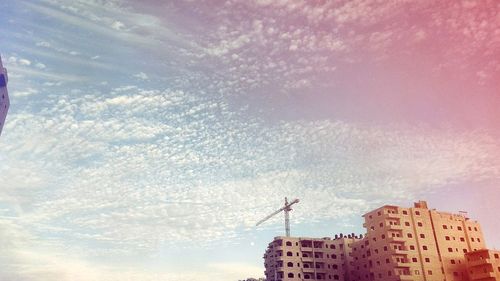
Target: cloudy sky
column 146, row 138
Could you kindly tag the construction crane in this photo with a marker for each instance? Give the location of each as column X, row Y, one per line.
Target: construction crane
column 287, row 208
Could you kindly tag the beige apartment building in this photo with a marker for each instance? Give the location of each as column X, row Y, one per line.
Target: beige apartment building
column 417, row 244
column 483, row 265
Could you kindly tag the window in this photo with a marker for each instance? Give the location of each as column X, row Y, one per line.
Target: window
column 422, row 235
column 452, row 262
column 475, row 228
column 429, row 272
column 412, row 247
column 407, row 223
column 427, row 260
column 419, row 224
column 450, row 250
column 417, row 213
column 381, row 224
column 383, row 236
column 459, row 228
column 478, row 240
column 424, row 248
column 404, row 213
column 447, row 238
column 288, row 243
column 289, row 254
column 414, row 259
column 445, row 226
column 409, row 235
column 496, row 256
column 462, row 239
column 290, row 275
column 290, row 264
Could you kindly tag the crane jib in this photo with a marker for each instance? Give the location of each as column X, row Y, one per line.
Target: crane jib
column 286, row 208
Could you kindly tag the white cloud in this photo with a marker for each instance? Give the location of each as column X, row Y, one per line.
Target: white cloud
column 40, row 65
column 118, row 25
column 145, row 157
column 25, row 93
column 24, row 62
column 141, row 76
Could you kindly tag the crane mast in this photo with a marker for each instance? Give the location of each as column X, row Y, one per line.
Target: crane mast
column 286, row 209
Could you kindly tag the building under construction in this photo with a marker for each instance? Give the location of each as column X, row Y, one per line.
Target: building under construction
column 417, row 244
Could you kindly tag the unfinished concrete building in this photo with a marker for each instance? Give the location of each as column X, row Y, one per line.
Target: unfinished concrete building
column 483, row 265
column 417, row 243
column 299, row 258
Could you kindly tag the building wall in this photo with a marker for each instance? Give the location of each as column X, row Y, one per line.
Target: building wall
column 4, row 97
column 419, row 244
column 483, row 265
column 456, row 236
column 293, row 258
column 400, row 244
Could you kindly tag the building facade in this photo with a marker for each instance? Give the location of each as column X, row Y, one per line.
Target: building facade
column 298, row 258
column 417, row 243
column 4, row 96
column 483, row 265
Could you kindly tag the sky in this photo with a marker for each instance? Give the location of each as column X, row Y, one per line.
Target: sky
column 146, row 138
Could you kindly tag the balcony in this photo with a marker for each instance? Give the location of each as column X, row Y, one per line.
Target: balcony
column 399, row 251
column 479, row 262
column 402, row 264
column 396, row 239
column 279, row 247
column 306, row 249
column 391, row 216
column 406, row 277
column 308, row 269
column 482, row 275
column 395, row 226
column 307, row 259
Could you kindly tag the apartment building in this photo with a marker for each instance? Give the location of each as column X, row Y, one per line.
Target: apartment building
column 4, row 96
column 299, row 258
column 416, row 243
column 483, row 265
